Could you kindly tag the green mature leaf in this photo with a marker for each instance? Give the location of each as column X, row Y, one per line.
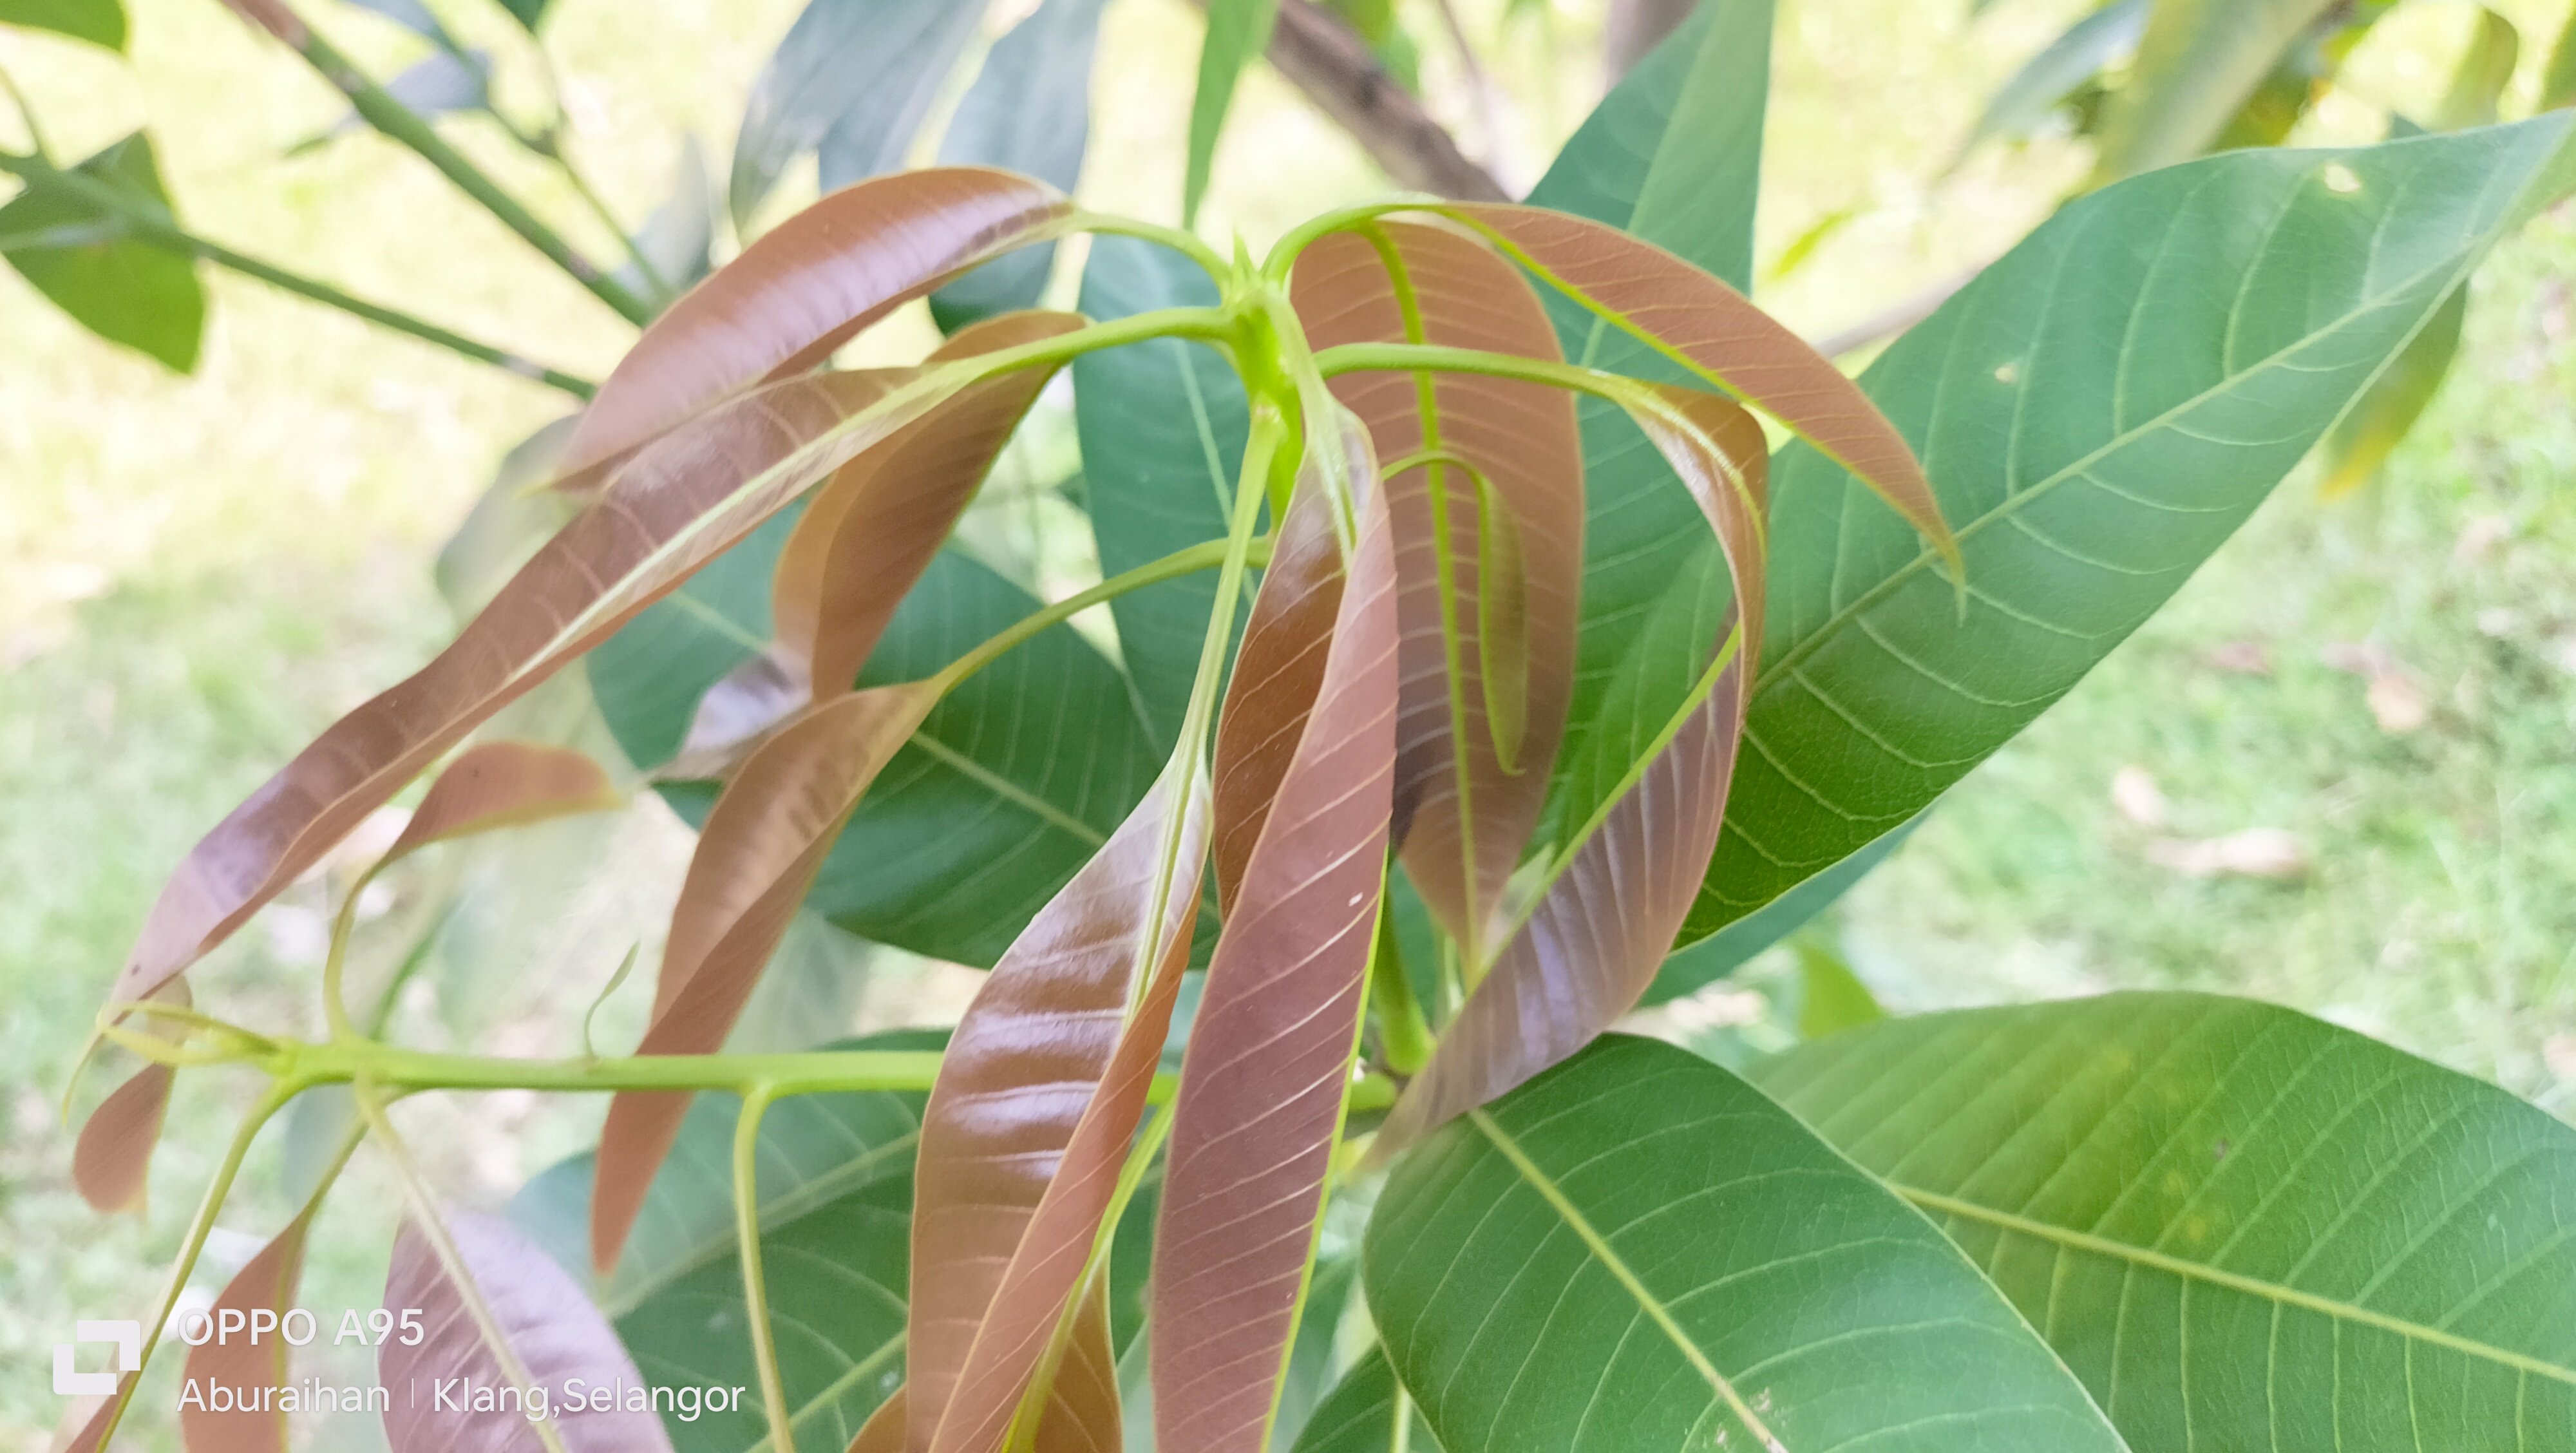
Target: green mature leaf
column 2098, row 412
column 2241, row 1227
column 1831, row 998
column 1368, row 1411
column 1694, row 968
column 1237, row 32
column 2478, row 82
column 529, row 13
column 1011, row 784
column 1637, row 1251
column 2105, row 37
column 2198, row 63
column 836, row 1210
column 2558, row 82
column 1029, row 111
column 125, row 291
column 2363, row 439
column 1162, row 426
column 851, row 82
column 100, row 22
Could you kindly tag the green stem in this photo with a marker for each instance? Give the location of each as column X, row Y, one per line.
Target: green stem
column 199, row 1226
column 149, row 224
column 1189, row 561
column 1181, row 242
column 1415, row 358
column 402, row 124
column 755, row 1291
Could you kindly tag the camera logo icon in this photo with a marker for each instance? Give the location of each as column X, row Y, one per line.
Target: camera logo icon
column 128, row 1337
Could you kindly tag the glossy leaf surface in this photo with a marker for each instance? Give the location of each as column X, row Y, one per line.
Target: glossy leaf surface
column 551, row 1332
column 118, row 287
column 1266, row 1076
column 1162, row 425
column 1029, row 111
column 1637, row 1251
column 2238, row 1225
column 2094, row 433
column 854, row 76
column 1522, row 438
column 806, row 287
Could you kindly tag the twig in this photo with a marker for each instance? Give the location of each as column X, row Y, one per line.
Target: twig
column 1335, row 68
column 148, row 224
column 405, row 125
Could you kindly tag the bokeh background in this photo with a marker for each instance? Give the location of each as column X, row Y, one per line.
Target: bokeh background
column 198, row 573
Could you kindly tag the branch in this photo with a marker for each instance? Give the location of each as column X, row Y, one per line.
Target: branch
column 402, row 124
column 148, row 224
column 1335, row 68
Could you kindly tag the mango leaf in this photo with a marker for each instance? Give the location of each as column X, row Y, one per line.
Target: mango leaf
column 529, row 13
column 2558, row 80
column 124, row 290
column 1238, row 31
column 1831, row 998
column 1029, row 111
column 549, row 1334
column 100, row 22
column 2479, row 80
column 1368, row 1411
column 1162, row 425
column 835, row 1196
column 755, row 858
column 1686, row 1266
column 2103, row 37
column 2386, row 412
column 1694, row 968
column 1030, row 1123
column 678, row 237
column 2230, row 1218
column 2093, row 432
column 806, row 287
column 1451, row 771
column 113, row 1156
column 853, row 78
column 266, row 1283
column 1621, row 882
column 2197, row 64
column 498, row 785
column 1266, row 1076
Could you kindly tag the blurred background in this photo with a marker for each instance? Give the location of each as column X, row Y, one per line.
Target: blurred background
column 2339, row 771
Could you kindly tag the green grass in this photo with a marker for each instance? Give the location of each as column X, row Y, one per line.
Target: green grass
column 197, row 574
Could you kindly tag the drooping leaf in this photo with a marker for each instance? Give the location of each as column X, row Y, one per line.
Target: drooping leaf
column 1627, row 874
column 2232, row 1219
column 113, row 1155
column 1030, row 1124
column 1522, row 437
column 120, row 288
column 1162, row 426
column 852, row 79
column 100, row 22
column 2198, row 61
column 1238, row 31
column 2478, row 82
column 499, row 785
column 755, row 858
column 805, row 288
column 2093, row 433
column 1266, row 1075
column 1637, row 1251
column 835, row 1196
column 2101, row 38
column 2363, row 439
column 1368, row 1411
column 551, row 1333
column 679, row 504
column 1029, row 111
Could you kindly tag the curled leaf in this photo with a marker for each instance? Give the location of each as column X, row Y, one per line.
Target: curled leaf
column 505, row 784
column 756, row 857
column 1515, row 541
column 805, row 288
column 1590, row 948
column 1030, row 1122
column 1266, row 1077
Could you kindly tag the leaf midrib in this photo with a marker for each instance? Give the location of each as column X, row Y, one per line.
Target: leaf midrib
column 2086, row 1241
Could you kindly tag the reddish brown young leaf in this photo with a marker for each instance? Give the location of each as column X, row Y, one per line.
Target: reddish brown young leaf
column 1267, row 1074
column 883, row 1431
column 872, row 530
column 113, row 1155
column 267, row 1283
column 92, row 1434
column 1523, row 437
column 1082, row 1413
column 682, row 502
column 756, row 856
column 1719, row 332
column 1592, row 944
column 505, row 784
column 1030, row 1122
column 806, row 287
column 553, row 1333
